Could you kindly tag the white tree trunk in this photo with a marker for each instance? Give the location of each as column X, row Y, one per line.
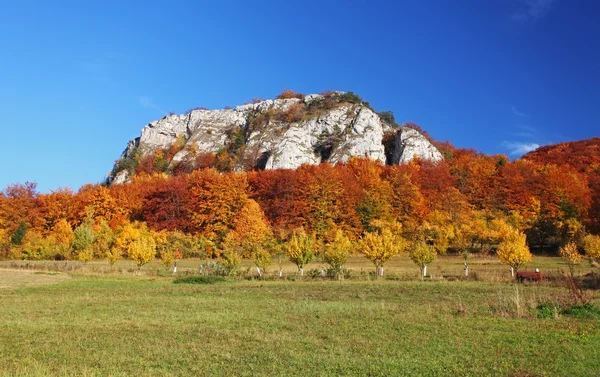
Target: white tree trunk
column 512, row 272
column 258, row 270
column 466, row 271
column 424, row 270
column 301, row 271
column 280, row 272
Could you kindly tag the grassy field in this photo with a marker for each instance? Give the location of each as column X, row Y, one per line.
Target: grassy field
column 85, row 323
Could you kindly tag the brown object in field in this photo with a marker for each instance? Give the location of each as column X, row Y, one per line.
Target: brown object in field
column 529, row 275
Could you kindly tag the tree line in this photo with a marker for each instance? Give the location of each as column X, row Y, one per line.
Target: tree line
column 467, row 203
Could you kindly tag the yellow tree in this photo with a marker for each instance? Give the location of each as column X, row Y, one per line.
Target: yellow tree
column 337, row 252
column 513, row 250
column 591, row 245
column 142, row 250
column 4, row 243
column 379, row 247
column 164, row 249
column 231, row 256
column 300, row 249
column 250, row 228
column 103, row 240
column 438, row 230
column 262, row 259
column 422, row 255
column 126, row 235
column 63, row 235
column 571, row 255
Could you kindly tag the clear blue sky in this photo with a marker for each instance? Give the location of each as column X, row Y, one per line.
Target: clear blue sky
column 79, row 79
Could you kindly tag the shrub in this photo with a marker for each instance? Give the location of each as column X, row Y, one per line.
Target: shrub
column 582, row 311
column 570, row 254
column 288, row 93
column 294, row 113
column 199, row 280
column 388, row 117
column 212, row 268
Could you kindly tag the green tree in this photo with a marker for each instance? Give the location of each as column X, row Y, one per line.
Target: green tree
column 83, row 239
column 19, row 234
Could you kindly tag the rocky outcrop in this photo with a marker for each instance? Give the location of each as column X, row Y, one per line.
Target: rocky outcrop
column 411, row 144
column 284, row 134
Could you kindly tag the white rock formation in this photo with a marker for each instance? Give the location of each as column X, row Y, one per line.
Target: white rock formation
column 333, row 135
column 410, row 144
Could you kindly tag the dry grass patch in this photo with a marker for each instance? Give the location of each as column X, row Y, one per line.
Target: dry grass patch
column 16, row 279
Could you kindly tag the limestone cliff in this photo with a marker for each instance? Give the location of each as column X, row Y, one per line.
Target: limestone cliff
column 282, row 134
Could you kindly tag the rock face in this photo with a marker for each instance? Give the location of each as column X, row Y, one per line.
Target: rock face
column 283, row 134
column 410, row 144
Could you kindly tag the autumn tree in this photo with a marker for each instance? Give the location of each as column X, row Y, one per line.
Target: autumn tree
column 571, row 255
column 381, row 246
column 38, row 247
column 63, row 237
column 300, row 249
column 142, row 250
column 20, row 205
column 214, row 201
column 262, row 259
column 513, row 250
column 591, row 245
column 421, row 254
column 103, row 241
column 165, row 205
column 250, row 228
column 125, row 236
column 319, row 195
column 55, row 206
column 337, row 252
column 4, row 243
column 231, row 257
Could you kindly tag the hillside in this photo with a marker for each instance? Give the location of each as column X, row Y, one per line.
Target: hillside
column 583, row 155
column 284, row 133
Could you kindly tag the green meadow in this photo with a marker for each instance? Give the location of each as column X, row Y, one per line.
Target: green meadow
column 93, row 320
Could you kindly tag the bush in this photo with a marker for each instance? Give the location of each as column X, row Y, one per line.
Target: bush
column 199, row 280
column 212, row 268
column 294, row 113
column 582, row 311
column 388, row 117
column 288, row 93
column 547, row 311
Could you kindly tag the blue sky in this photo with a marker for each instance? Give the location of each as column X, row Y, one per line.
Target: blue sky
column 79, row 79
